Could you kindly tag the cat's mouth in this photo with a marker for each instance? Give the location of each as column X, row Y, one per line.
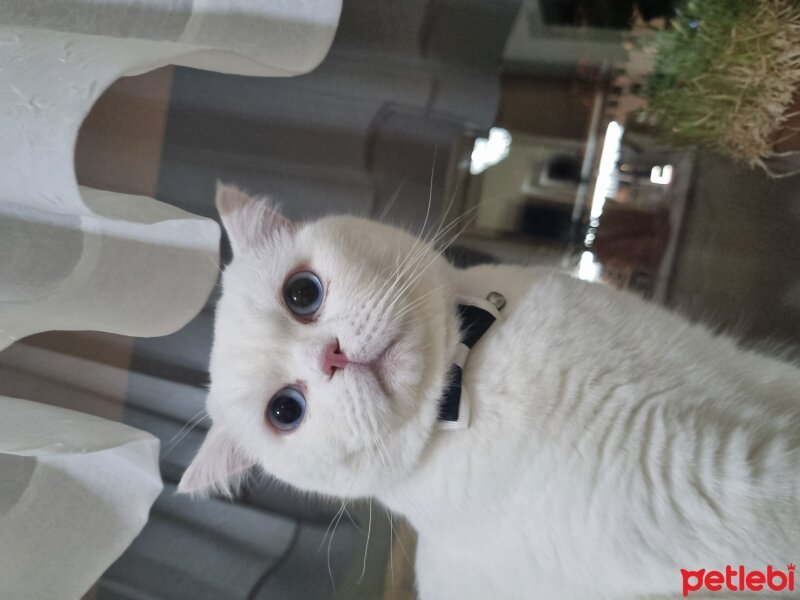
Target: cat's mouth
column 380, row 366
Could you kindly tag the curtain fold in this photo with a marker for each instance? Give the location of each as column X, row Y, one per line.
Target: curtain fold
column 77, row 258
column 75, row 490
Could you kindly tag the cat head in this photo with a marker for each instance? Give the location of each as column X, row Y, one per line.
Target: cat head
column 332, row 343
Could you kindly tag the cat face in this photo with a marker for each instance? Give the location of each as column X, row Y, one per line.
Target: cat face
column 331, row 347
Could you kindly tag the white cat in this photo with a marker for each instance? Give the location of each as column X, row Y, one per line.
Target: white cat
column 610, row 445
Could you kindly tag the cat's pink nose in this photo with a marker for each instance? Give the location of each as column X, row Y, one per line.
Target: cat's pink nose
column 333, row 358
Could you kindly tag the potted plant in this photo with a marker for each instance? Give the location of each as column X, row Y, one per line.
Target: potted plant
column 727, row 76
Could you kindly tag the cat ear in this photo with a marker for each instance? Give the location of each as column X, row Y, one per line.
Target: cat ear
column 219, row 467
column 248, row 220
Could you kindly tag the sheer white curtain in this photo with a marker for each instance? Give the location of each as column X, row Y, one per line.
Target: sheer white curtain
column 78, row 258
column 74, row 258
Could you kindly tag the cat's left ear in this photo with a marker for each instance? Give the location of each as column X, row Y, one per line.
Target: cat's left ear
column 248, row 220
column 219, row 467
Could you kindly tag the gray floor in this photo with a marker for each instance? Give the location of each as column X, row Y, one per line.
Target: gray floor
column 739, row 260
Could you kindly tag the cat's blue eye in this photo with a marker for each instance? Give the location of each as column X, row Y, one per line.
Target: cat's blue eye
column 303, row 293
column 286, row 409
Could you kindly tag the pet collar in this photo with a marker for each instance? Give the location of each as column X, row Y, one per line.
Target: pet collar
column 477, row 316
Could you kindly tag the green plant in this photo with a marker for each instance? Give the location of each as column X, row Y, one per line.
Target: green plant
column 726, row 73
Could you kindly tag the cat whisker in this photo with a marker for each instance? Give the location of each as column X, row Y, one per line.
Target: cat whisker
column 417, row 302
column 342, row 508
column 391, row 549
column 408, row 264
column 366, row 546
column 439, row 235
column 330, row 542
column 412, row 280
column 423, row 251
column 397, row 536
column 393, row 199
column 424, row 244
column 354, row 522
column 389, row 283
column 452, row 200
column 335, row 523
column 419, row 236
column 185, row 430
column 431, row 239
column 453, row 238
column 381, row 450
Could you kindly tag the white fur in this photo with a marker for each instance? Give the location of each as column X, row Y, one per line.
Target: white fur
column 612, row 443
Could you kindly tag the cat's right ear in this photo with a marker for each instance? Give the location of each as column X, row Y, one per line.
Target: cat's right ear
column 249, row 221
column 219, row 467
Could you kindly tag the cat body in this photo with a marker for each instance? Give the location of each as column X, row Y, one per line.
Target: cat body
column 611, row 443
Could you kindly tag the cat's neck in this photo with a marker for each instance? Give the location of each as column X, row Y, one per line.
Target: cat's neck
column 440, row 475
column 413, row 491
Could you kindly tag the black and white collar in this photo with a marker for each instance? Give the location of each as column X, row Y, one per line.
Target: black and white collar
column 477, row 316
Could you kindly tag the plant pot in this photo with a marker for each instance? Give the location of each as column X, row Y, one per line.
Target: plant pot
column 787, row 138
